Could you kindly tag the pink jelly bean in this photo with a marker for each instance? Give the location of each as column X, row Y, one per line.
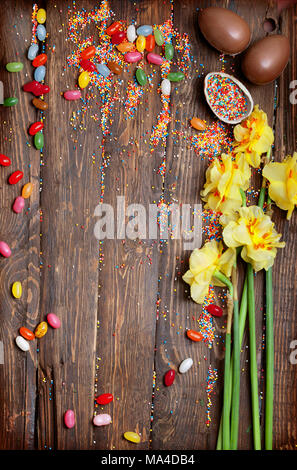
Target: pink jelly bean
column 18, row 205
column 134, row 56
column 69, row 419
column 53, row 320
column 102, row 420
column 5, row 250
column 71, row 95
column 154, row 58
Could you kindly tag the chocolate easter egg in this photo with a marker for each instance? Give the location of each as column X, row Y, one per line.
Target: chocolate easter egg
column 266, row 59
column 224, row 30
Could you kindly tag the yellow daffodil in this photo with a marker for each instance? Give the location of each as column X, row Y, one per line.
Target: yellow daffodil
column 203, row 263
column 224, row 178
column 256, row 233
column 253, row 136
column 283, row 183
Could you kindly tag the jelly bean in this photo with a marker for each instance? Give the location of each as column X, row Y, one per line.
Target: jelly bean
column 32, row 51
column 214, row 310
column 104, row 399
column 39, row 104
column 158, row 37
column 11, row 101
column 5, row 250
column 166, row 87
column 125, row 47
column 175, row 76
column 144, row 30
column 133, row 57
column 103, row 70
column 36, row 127
column 27, row 190
column 87, row 65
column 41, row 32
column 150, row 43
column 154, row 58
column 53, row 320
column 69, row 419
column 41, row 329
column 41, row 16
column 131, row 33
column 194, row 335
column 141, row 77
column 198, row 124
column 88, row 53
column 132, row 437
column 113, row 28
column 39, row 60
column 118, row 37
column 15, row 177
column 39, row 73
column 102, row 419
column 140, row 43
column 18, row 205
column 14, row 66
column 16, row 290
column 26, row 333
column 39, row 140
column 22, row 343
column 4, row 160
column 169, row 51
column 72, row 95
column 185, row 365
column 169, row 377
column 114, row 67
column 36, row 88
column 83, row 79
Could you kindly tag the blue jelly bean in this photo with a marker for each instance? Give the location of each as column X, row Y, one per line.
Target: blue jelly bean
column 32, row 51
column 103, row 70
column 39, row 73
column 144, row 30
column 41, row 32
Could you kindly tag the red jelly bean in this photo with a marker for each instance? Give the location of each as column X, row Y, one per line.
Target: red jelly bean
column 36, row 127
column 113, row 28
column 36, row 88
column 150, row 43
column 214, row 310
column 88, row 53
column 194, row 335
column 169, row 377
column 87, row 65
column 39, row 60
column 15, row 177
column 118, row 37
column 104, row 399
column 4, row 160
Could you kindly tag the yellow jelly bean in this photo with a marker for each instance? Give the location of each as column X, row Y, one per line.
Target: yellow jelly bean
column 41, row 16
column 83, row 79
column 27, row 190
column 140, row 43
column 41, row 329
column 17, row 290
column 132, row 437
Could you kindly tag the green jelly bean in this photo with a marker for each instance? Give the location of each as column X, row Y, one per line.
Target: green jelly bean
column 158, row 37
column 141, row 77
column 38, row 140
column 12, row 101
column 14, row 66
column 175, row 76
column 169, row 51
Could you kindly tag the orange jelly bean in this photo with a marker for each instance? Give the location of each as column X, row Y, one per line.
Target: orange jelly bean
column 26, row 333
column 198, row 124
column 41, row 329
column 88, row 53
column 194, row 335
column 126, row 47
column 27, row 190
column 114, row 67
column 39, row 60
column 150, row 43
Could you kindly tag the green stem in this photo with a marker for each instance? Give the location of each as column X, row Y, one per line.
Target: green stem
column 236, row 367
column 269, row 362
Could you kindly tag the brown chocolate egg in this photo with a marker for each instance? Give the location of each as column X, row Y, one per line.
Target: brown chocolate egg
column 265, row 60
column 224, row 30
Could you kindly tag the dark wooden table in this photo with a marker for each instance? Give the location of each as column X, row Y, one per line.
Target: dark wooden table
column 110, row 335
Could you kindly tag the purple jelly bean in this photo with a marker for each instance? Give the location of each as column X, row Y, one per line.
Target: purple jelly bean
column 71, row 95
column 5, row 250
column 69, row 419
column 154, row 58
column 102, row 419
column 18, row 205
column 134, row 56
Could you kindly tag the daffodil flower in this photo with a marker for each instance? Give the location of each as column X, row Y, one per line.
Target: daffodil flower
column 283, row 183
column 255, row 232
column 253, row 137
column 204, row 262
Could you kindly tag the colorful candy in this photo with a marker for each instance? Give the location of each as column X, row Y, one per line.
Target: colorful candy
column 72, row 95
column 150, row 43
column 198, row 124
column 114, row 67
column 169, row 51
column 154, row 58
column 27, row 190
column 39, row 104
column 11, row 101
column 131, row 33
column 41, row 16
column 36, row 127
column 169, row 377
column 83, row 79
column 39, row 60
column 15, row 177
column 144, row 30
column 194, row 335
column 41, row 32
column 69, row 419
column 16, row 290
column 165, row 87
column 14, row 66
column 104, row 399
column 41, row 329
column 39, row 140
column 141, row 76
column 113, row 28
column 185, row 365
column 118, row 37
column 102, row 419
column 36, row 88
column 18, row 205
column 103, row 70
column 4, row 160
column 132, row 57
column 39, row 73
column 5, row 250
column 132, row 437
column 88, row 53
column 32, row 51
column 140, row 43
column 53, row 320
column 175, row 76
column 214, row 310
column 22, row 343
column 87, row 65
column 26, row 333
column 158, row 37
column 125, row 47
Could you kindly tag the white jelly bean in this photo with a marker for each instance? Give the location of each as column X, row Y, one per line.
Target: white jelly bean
column 166, row 87
column 131, row 33
column 185, row 365
column 102, row 419
column 22, row 343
